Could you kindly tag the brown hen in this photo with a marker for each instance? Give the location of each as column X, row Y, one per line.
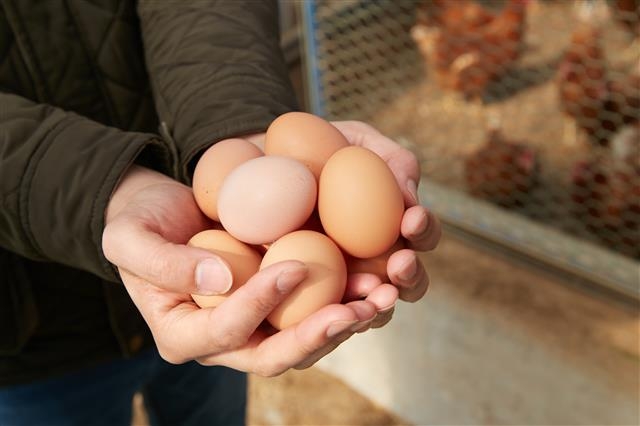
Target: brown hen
column 582, row 84
column 605, row 193
column 468, row 47
column 627, row 14
column 502, row 171
column 452, row 13
column 624, row 97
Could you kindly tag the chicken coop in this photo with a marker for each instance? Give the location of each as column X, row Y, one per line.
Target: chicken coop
column 525, row 115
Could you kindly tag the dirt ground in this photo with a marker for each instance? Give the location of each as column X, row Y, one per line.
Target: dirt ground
column 312, row 397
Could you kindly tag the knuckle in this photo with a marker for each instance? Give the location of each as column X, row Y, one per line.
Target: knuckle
column 228, row 340
column 170, row 355
column 161, row 267
column 261, row 305
column 269, row 370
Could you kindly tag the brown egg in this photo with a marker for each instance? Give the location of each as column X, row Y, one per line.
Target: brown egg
column 325, row 283
column 304, row 137
column 374, row 265
column 214, row 165
column 242, row 259
column 360, row 202
column 265, row 198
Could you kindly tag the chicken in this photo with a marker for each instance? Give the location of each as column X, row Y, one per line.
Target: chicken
column 589, row 180
column 501, row 171
column 605, row 193
column 624, row 97
column 467, row 47
column 597, row 103
column 627, row 14
column 582, row 85
column 452, row 13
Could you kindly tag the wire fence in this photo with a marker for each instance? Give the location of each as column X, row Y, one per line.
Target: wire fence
column 532, row 106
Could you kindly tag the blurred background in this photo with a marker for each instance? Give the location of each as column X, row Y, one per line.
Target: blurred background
column 525, row 115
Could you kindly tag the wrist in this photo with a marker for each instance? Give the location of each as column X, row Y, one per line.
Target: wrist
column 134, row 180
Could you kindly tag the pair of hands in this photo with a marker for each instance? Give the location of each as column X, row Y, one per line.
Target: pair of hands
column 151, row 217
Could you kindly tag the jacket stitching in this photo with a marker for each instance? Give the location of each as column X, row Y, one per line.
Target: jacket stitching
column 136, row 111
column 24, row 45
column 162, row 106
column 14, row 69
column 92, row 65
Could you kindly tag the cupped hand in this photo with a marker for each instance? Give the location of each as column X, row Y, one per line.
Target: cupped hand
column 420, row 227
column 148, row 221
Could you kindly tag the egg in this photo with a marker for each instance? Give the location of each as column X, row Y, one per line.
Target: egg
column 242, row 259
column 213, row 166
column 265, row 198
column 304, row 137
column 359, row 202
column 374, row 265
column 325, row 283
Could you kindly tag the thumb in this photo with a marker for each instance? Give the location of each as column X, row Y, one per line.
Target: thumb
column 174, row 267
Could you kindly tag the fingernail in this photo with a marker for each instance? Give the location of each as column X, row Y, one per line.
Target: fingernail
column 409, row 270
column 387, row 310
column 290, row 278
column 339, row 327
column 213, row 277
column 412, row 187
column 361, row 325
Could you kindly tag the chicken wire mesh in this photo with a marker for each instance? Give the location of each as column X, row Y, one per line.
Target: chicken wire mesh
column 526, row 109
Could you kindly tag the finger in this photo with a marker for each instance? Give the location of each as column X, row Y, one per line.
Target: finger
column 174, row 267
column 141, row 292
column 187, row 333
column 384, row 298
column 406, row 169
column 243, row 311
column 294, row 345
column 383, row 318
column 421, row 228
column 359, row 285
column 341, row 337
column 408, row 274
column 402, row 163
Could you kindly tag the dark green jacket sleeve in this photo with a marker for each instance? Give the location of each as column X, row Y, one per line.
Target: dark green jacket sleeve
column 57, row 172
column 216, row 69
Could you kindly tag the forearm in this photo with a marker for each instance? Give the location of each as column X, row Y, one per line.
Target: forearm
column 57, row 173
column 216, row 70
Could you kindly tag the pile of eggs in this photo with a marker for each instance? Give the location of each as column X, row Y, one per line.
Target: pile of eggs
column 310, row 196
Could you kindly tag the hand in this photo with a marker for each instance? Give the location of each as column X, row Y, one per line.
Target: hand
column 420, row 227
column 148, row 221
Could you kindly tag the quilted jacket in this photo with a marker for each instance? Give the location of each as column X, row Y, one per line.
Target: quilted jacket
column 88, row 87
